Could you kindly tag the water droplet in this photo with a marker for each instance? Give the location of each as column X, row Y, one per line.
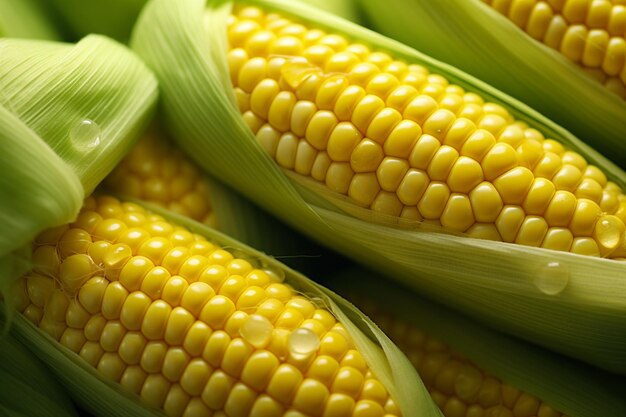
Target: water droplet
column 468, row 382
column 303, row 342
column 609, row 231
column 86, row 135
column 256, row 330
column 552, row 278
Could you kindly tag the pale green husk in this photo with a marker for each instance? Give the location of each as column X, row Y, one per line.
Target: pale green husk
column 49, row 162
column 54, row 87
column 25, row 19
column 492, row 281
column 37, row 188
column 28, row 387
column 475, row 38
column 104, row 398
column 574, row 388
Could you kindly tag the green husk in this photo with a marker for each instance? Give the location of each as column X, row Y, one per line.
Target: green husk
column 68, row 114
column 32, row 178
column 574, row 388
column 115, row 18
column 105, row 398
column 25, row 19
column 492, row 281
column 348, row 9
column 28, row 387
column 55, row 87
column 475, row 38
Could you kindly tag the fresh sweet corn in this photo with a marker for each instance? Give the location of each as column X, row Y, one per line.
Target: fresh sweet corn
column 158, row 172
column 187, row 325
column 459, row 386
column 590, row 33
column 404, row 142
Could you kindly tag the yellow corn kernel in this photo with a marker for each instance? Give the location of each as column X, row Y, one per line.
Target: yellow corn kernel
column 588, row 32
column 456, row 384
column 157, row 172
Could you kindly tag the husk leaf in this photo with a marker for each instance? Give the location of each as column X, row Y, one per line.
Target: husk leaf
column 55, row 87
column 115, row 18
column 28, row 387
column 492, row 281
column 475, row 38
column 42, row 190
column 25, row 19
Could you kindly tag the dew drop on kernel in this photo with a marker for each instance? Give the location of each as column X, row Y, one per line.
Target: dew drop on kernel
column 256, row 330
column 86, row 135
column 303, row 342
column 607, row 231
column 552, row 278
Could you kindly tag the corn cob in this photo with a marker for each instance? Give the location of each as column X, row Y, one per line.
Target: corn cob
column 589, row 33
column 472, row 371
column 189, row 327
column 520, row 289
column 157, row 172
column 404, row 142
column 458, row 386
